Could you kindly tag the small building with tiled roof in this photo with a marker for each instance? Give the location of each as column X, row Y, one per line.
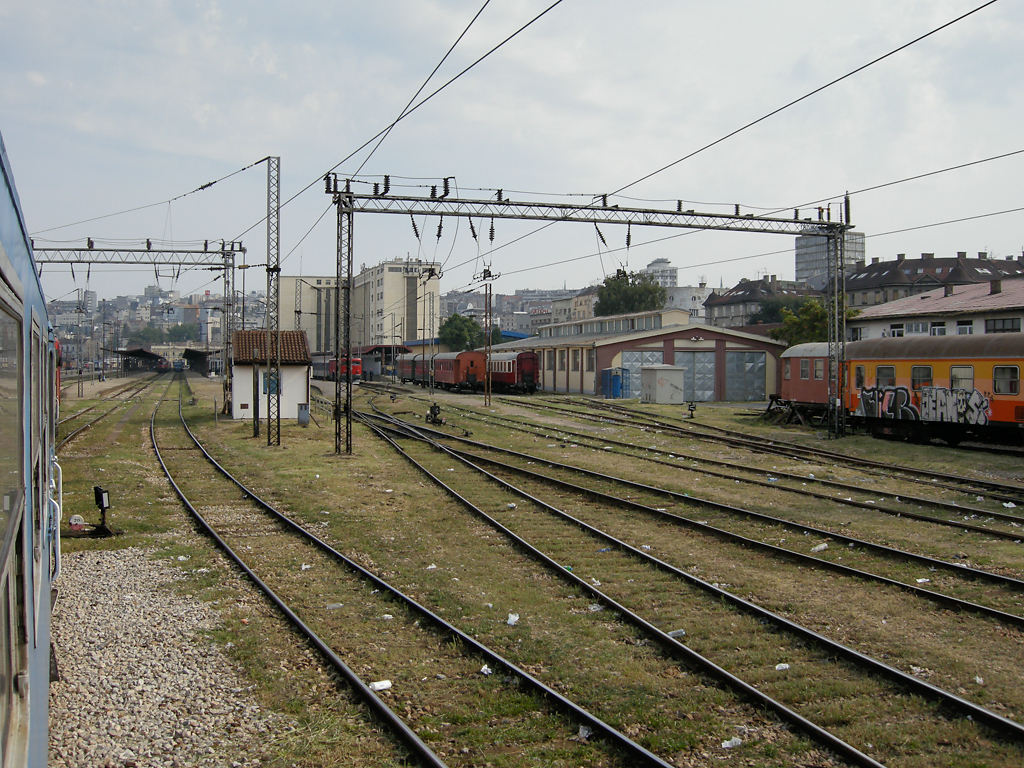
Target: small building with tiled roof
column 883, row 281
column 996, row 306
column 249, row 373
column 734, row 307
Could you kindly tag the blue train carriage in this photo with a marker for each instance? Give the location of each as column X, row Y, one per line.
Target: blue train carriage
column 31, row 488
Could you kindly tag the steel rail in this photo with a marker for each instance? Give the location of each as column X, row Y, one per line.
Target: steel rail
column 949, row 506
column 403, row 731
column 938, row 597
column 68, row 437
column 671, row 644
column 997, row 722
column 905, row 554
column 1012, row 492
column 614, row 736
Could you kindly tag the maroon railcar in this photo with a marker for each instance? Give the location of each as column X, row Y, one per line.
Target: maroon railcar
column 459, row 370
column 513, row 371
column 805, row 374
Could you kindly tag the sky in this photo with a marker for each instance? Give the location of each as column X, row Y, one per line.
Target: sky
column 116, row 104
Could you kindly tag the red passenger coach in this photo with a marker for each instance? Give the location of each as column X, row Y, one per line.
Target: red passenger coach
column 805, row 374
column 513, row 371
column 458, row 370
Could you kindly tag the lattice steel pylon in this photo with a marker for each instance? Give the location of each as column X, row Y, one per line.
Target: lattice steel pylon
column 835, row 309
column 343, row 324
column 273, row 301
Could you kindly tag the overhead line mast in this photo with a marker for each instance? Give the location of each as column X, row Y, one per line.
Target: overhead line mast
column 380, row 200
column 207, row 258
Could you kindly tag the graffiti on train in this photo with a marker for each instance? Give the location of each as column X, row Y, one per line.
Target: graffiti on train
column 887, row 403
column 954, row 405
column 935, row 404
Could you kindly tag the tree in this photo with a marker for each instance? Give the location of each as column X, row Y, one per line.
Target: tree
column 459, row 333
column 808, row 323
column 771, row 309
column 183, row 332
column 624, row 293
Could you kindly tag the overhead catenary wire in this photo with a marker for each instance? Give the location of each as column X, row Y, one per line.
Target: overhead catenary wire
column 411, row 109
column 807, row 95
column 768, row 115
column 200, row 188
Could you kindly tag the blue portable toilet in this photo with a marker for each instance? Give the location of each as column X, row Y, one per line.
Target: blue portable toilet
column 611, row 383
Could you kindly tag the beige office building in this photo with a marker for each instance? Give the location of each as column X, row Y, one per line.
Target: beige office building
column 392, row 302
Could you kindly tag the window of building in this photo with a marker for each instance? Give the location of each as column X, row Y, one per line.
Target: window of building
column 896, row 329
column 786, row 368
column 917, row 327
column 561, row 359
column 591, row 360
column 819, row 369
column 805, row 368
column 550, row 359
column 937, row 328
column 858, row 376
column 575, row 359
column 856, row 334
column 885, row 376
column 961, row 377
column 920, row 376
column 964, row 327
column 1006, row 380
column 1003, row 325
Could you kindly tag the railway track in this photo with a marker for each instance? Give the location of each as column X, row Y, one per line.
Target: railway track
column 1004, row 604
column 444, row 672
column 666, row 595
column 123, row 396
column 951, row 481
column 959, row 513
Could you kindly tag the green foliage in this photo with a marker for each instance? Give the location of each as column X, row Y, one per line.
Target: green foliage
column 183, row 332
column 808, row 323
column 771, row 309
column 632, row 292
column 150, row 335
column 459, row 333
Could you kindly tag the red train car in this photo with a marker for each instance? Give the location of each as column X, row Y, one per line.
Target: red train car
column 513, row 371
column 412, row 368
column 805, row 374
column 335, row 372
column 459, row 370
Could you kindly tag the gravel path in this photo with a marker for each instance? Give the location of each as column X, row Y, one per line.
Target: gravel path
column 140, row 684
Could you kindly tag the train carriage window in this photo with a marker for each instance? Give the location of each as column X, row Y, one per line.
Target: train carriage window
column 786, row 368
column 1006, row 380
column 819, row 369
column 12, row 488
column 805, row 368
column 859, row 376
column 920, row 376
column 961, row 377
column 885, row 376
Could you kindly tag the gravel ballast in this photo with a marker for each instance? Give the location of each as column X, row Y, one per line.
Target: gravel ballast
column 141, row 684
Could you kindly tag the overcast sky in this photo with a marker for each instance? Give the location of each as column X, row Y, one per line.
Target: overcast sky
column 112, row 105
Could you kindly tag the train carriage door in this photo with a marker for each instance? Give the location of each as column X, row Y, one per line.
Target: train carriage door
column 40, row 466
column 13, row 629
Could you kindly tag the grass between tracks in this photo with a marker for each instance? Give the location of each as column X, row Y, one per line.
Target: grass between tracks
column 383, row 514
